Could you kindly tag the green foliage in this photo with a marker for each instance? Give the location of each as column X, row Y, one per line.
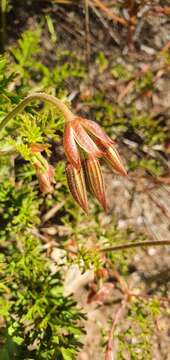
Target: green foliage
column 23, row 54
column 136, row 340
column 87, row 259
column 165, row 55
column 39, row 322
column 119, row 71
column 139, row 125
column 154, row 166
column 19, row 210
column 102, row 62
column 28, row 67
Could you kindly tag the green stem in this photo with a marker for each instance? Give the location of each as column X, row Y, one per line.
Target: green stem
column 68, row 115
column 136, row 244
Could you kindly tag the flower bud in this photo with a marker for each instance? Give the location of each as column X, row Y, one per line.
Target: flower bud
column 76, row 183
column 95, row 180
column 45, row 178
column 44, row 172
column 114, row 160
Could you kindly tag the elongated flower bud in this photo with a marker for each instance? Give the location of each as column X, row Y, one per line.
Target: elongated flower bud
column 95, row 180
column 76, row 183
column 45, row 178
column 44, row 172
column 114, row 160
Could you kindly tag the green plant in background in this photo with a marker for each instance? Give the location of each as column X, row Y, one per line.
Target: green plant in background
column 38, row 321
column 41, row 321
column 25, row 54
column 137, row 338
column 27, row 65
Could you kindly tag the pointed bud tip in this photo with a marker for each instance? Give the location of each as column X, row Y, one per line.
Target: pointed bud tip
column 106, row 209
column 86, row 210
column 124, row 172
column 114, row 160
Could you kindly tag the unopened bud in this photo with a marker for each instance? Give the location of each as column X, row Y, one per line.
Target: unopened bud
column 95, row 180
column 45, row 179
column 76, row 183
column 44, row 172
column 114, row 160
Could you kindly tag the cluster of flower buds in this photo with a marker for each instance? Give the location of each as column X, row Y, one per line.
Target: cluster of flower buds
column 44, row 171
column 84, row 143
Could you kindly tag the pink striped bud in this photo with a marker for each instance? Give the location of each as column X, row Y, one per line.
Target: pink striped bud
column 112, row 157
column 76, row 183
column 84, row 143
column 95, row 180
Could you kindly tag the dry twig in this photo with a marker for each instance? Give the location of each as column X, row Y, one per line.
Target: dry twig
column 111, row 15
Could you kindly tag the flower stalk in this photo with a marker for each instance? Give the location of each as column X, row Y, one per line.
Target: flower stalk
column 68, row 115
column 139, row 244
column 127, row 246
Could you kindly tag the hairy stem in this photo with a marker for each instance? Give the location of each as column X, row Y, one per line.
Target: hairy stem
column 136, row 244
column 68, row 115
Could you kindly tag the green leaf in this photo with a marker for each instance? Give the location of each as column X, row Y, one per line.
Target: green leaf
column 68, row 354
column 18, row 340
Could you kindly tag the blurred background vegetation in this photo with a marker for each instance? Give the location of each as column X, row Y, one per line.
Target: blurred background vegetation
column 110, row 61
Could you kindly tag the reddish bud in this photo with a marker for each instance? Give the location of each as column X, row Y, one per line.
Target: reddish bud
column 76, row 183
column 84, row 140
column 70, row 146
column 114, row 160
column 94, row 179
column 96, row 130
column 45, row 174
column 45, row 179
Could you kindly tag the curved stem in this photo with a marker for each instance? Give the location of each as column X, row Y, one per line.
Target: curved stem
column 38, row 96
column 136, row 244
